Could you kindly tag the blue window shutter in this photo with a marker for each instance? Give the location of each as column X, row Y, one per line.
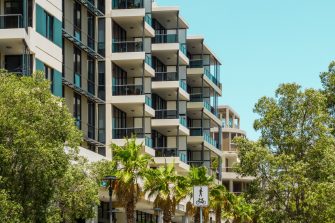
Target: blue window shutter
column 58, row 32
column 40, row 20
column 39, row 65
column 57, row 86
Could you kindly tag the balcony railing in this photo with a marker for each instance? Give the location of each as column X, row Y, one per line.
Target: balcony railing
column 171, row 152
column 183, row 48
column 210, row 108
column 183, row 120
column 128, row 89
column 183, row 85
column 198, row 131
column 11, row 21
column 127, row 46
column 148, row 141
column 166, row 76
column 127, row 4
column 210, row 140
column 196, row 63
column 165, row 38
column 148, row 19
column 148, row 59
column 121, row 133
column 211, row 77
column 166, row 114
column 148, row 101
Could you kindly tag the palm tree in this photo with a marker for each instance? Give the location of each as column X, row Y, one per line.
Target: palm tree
column 197, row 176
column 132, row 165
column 219, row 201
column 242, row 212
column 166, row 186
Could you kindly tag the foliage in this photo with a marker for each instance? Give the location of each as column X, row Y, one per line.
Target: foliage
column 77, row 193
column 132, row 165
column 293, row 161
column 34, row 128
column 165, row 185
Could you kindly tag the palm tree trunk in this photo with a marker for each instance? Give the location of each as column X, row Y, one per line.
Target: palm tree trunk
column 167, row 215
column 130, row 211
column 218, row 215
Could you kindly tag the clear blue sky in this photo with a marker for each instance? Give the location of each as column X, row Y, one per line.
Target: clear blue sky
column 263, row 43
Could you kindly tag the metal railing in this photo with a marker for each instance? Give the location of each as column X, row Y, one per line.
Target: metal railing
column 183, row 85
column 11, row 21
column 171, row 152
column 148, row 59
column 121, row 133
column 127, row 4
column 210, row 140
column 210, row 108
column 148, row 142
column 196, row 63
column 166, row 114
column 166, row 76
column 211, row 77
column 148, row 19
column 127, row 46
column 148, row 101
column 183, row 120
column 128, row 89
column 183, row 48
column 198, row 131
column 165, row 38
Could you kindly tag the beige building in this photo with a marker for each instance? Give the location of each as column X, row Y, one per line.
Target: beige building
column 126, row 67
column 231, row 129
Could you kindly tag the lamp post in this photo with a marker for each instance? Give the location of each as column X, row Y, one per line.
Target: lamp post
column 158, row 210
column 111, row 179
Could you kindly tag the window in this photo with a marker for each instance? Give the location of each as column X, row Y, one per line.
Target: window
column 49, row 26
column 90, row 30
column 13, row 63
column 101, row 81
column 77, row 66
column 77, row 109
column 91, row 119
column 91, row 75
column 77, row 20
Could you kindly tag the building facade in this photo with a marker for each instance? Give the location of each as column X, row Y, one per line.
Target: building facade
column 231, row 129
column 125, row 67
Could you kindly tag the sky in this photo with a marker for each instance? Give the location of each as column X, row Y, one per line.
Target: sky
column 262, row 44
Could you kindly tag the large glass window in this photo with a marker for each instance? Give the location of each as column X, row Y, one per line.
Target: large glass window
column 77, row 109
column 77, row 66
column 91, row 119
column 49, row 26
column 90, row 30
column 77, row 20
column 91, row 75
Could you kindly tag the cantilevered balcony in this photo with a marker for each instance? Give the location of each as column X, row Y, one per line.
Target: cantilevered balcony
column 170, row 123
column 174, row 156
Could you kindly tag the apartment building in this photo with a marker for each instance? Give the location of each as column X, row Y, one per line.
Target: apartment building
column 123, row 67
column 231, row 129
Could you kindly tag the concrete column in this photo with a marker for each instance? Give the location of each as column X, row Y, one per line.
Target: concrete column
column 227, row 117
column 231, row 186
column 234, row 117
column 185, row 219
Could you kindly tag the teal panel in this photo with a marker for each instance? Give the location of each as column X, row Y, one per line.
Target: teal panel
column 39, row 65
column 57, row 86
column 57, row 32
column 40, row 20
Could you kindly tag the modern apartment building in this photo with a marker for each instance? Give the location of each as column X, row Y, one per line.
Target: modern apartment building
column 123, row 67
column 231, row 129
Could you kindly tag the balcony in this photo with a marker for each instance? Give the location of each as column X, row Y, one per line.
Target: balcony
column 127, row 46
column 121, row 133
column 173, row 156
column 166, row 76
column 196, row 63
column 11, row 21
column 169, row 121
column 128, row 4
column 171, row 152
column 127, row 90
column 165, row 38
column 91, row 7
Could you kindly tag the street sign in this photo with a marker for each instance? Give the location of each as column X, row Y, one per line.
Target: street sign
column 200, row 196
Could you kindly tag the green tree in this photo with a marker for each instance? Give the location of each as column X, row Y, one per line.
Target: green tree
column 293, row 161
column 34, row 128
column 219, row 201
column 165, row 185
column 77, row 193
column 196, row 177
column 132, row 165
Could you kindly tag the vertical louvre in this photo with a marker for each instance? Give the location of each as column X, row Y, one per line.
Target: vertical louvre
column 40, row 20
column 57, row 32
column 57, row 87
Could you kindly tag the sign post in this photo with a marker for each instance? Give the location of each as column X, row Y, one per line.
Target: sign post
column 200, row 198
